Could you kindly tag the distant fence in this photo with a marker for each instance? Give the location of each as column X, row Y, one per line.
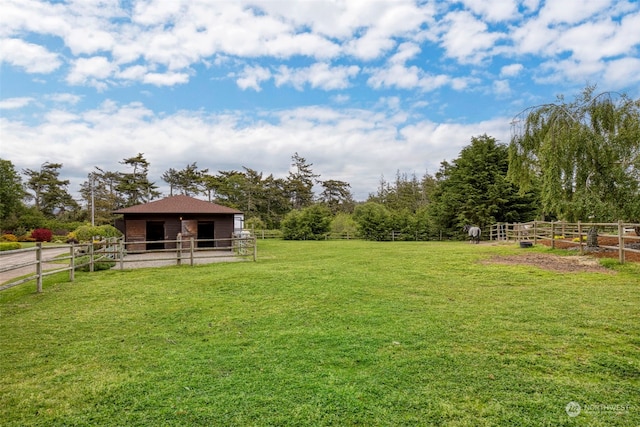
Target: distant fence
column 24, row 265
column 619, row 236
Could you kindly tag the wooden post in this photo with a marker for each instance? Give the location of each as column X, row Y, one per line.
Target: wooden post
column 191, row 246
column 255, row 249
column 39, row 267
column 620, row 242
column 535, row 232
column 580, row 237
column 121, row 250
column 91, row 255
column 179, row 249
column 72, row 263
column 553, row 235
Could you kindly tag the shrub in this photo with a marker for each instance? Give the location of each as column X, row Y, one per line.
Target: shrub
column 311, row 223
column 8, row 238
column 374, row 221
column 82, row 263
column 42, row 235
column 86, row 233
column 9, row 246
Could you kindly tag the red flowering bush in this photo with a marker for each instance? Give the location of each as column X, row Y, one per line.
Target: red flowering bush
column 42, row 235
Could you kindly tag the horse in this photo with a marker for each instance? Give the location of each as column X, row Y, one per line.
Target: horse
column 474, row 233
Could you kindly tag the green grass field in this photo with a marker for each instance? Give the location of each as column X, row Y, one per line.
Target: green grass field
column 326, row 333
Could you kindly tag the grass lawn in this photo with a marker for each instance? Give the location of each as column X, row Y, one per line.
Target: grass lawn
column 326, row 333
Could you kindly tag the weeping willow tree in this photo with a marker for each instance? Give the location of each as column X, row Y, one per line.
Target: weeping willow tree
column 584, row 156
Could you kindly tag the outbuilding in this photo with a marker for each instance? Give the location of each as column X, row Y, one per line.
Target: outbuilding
column 157, row 224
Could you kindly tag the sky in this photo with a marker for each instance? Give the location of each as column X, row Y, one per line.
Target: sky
column 361, row 89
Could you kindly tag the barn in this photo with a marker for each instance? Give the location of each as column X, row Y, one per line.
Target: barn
column 156, row 225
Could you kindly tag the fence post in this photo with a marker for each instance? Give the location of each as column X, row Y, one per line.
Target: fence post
column 39, row 267
column 91, row 255
column 580, row 237
column 191, row 245
column 620, row 242
column 179, row 248
column 255, row 249
column 553, row 235
column 535, row 232
column 72, row 263
column 121, row 250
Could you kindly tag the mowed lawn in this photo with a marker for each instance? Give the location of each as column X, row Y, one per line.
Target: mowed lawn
column 326, row 333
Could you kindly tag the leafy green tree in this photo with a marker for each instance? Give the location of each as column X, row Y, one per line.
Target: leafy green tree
column 374, row 221
column 583, row 155
column 344, row 224
column 11, row 192
column 134, row 186
column 474, row 190
column 311, row 223
column 50, row 193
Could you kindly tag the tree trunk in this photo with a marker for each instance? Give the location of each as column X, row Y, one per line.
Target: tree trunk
column 592, row 237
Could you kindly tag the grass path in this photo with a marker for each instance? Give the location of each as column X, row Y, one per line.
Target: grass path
column 326, row 333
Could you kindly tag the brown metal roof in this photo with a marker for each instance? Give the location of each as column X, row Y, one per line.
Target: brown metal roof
column 178, row 205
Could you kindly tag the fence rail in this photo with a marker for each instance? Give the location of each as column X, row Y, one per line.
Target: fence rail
column 25, row 265
column 619, row 236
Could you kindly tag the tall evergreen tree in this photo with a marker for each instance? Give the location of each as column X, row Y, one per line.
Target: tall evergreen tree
column 337, row 196
column 50, row 193
column 12, row 192
column 134, row 186
column 100, row 189
column 189, row 181
column 300, row 182
column 474, row 189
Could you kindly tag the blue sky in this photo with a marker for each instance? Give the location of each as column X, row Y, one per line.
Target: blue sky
column 361, row 89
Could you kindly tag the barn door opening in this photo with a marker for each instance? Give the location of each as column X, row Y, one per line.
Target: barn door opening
column 205, row 234
column 155, row 233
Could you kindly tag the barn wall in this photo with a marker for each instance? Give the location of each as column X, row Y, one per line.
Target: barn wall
column 135, row 227
column 136, row 231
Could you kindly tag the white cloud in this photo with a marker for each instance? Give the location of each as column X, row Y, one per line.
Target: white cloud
column 89, row 39
column 15, row 103
column 165, row 79
column 64, row 98
column 571, row 11
column 622, row 72
column 501, row 87
column 511, row 70
column 396, row 75
column 318, row 76
column 87, row 70
column 252, row 77
column 466, row 38
column 332, row 139
column 32, row 57
column 493, row 10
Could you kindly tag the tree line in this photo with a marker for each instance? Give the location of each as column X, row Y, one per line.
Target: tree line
column 577, row 160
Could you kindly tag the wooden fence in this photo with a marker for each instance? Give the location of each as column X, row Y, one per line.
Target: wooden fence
column 618, row 236
column 24, row 265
